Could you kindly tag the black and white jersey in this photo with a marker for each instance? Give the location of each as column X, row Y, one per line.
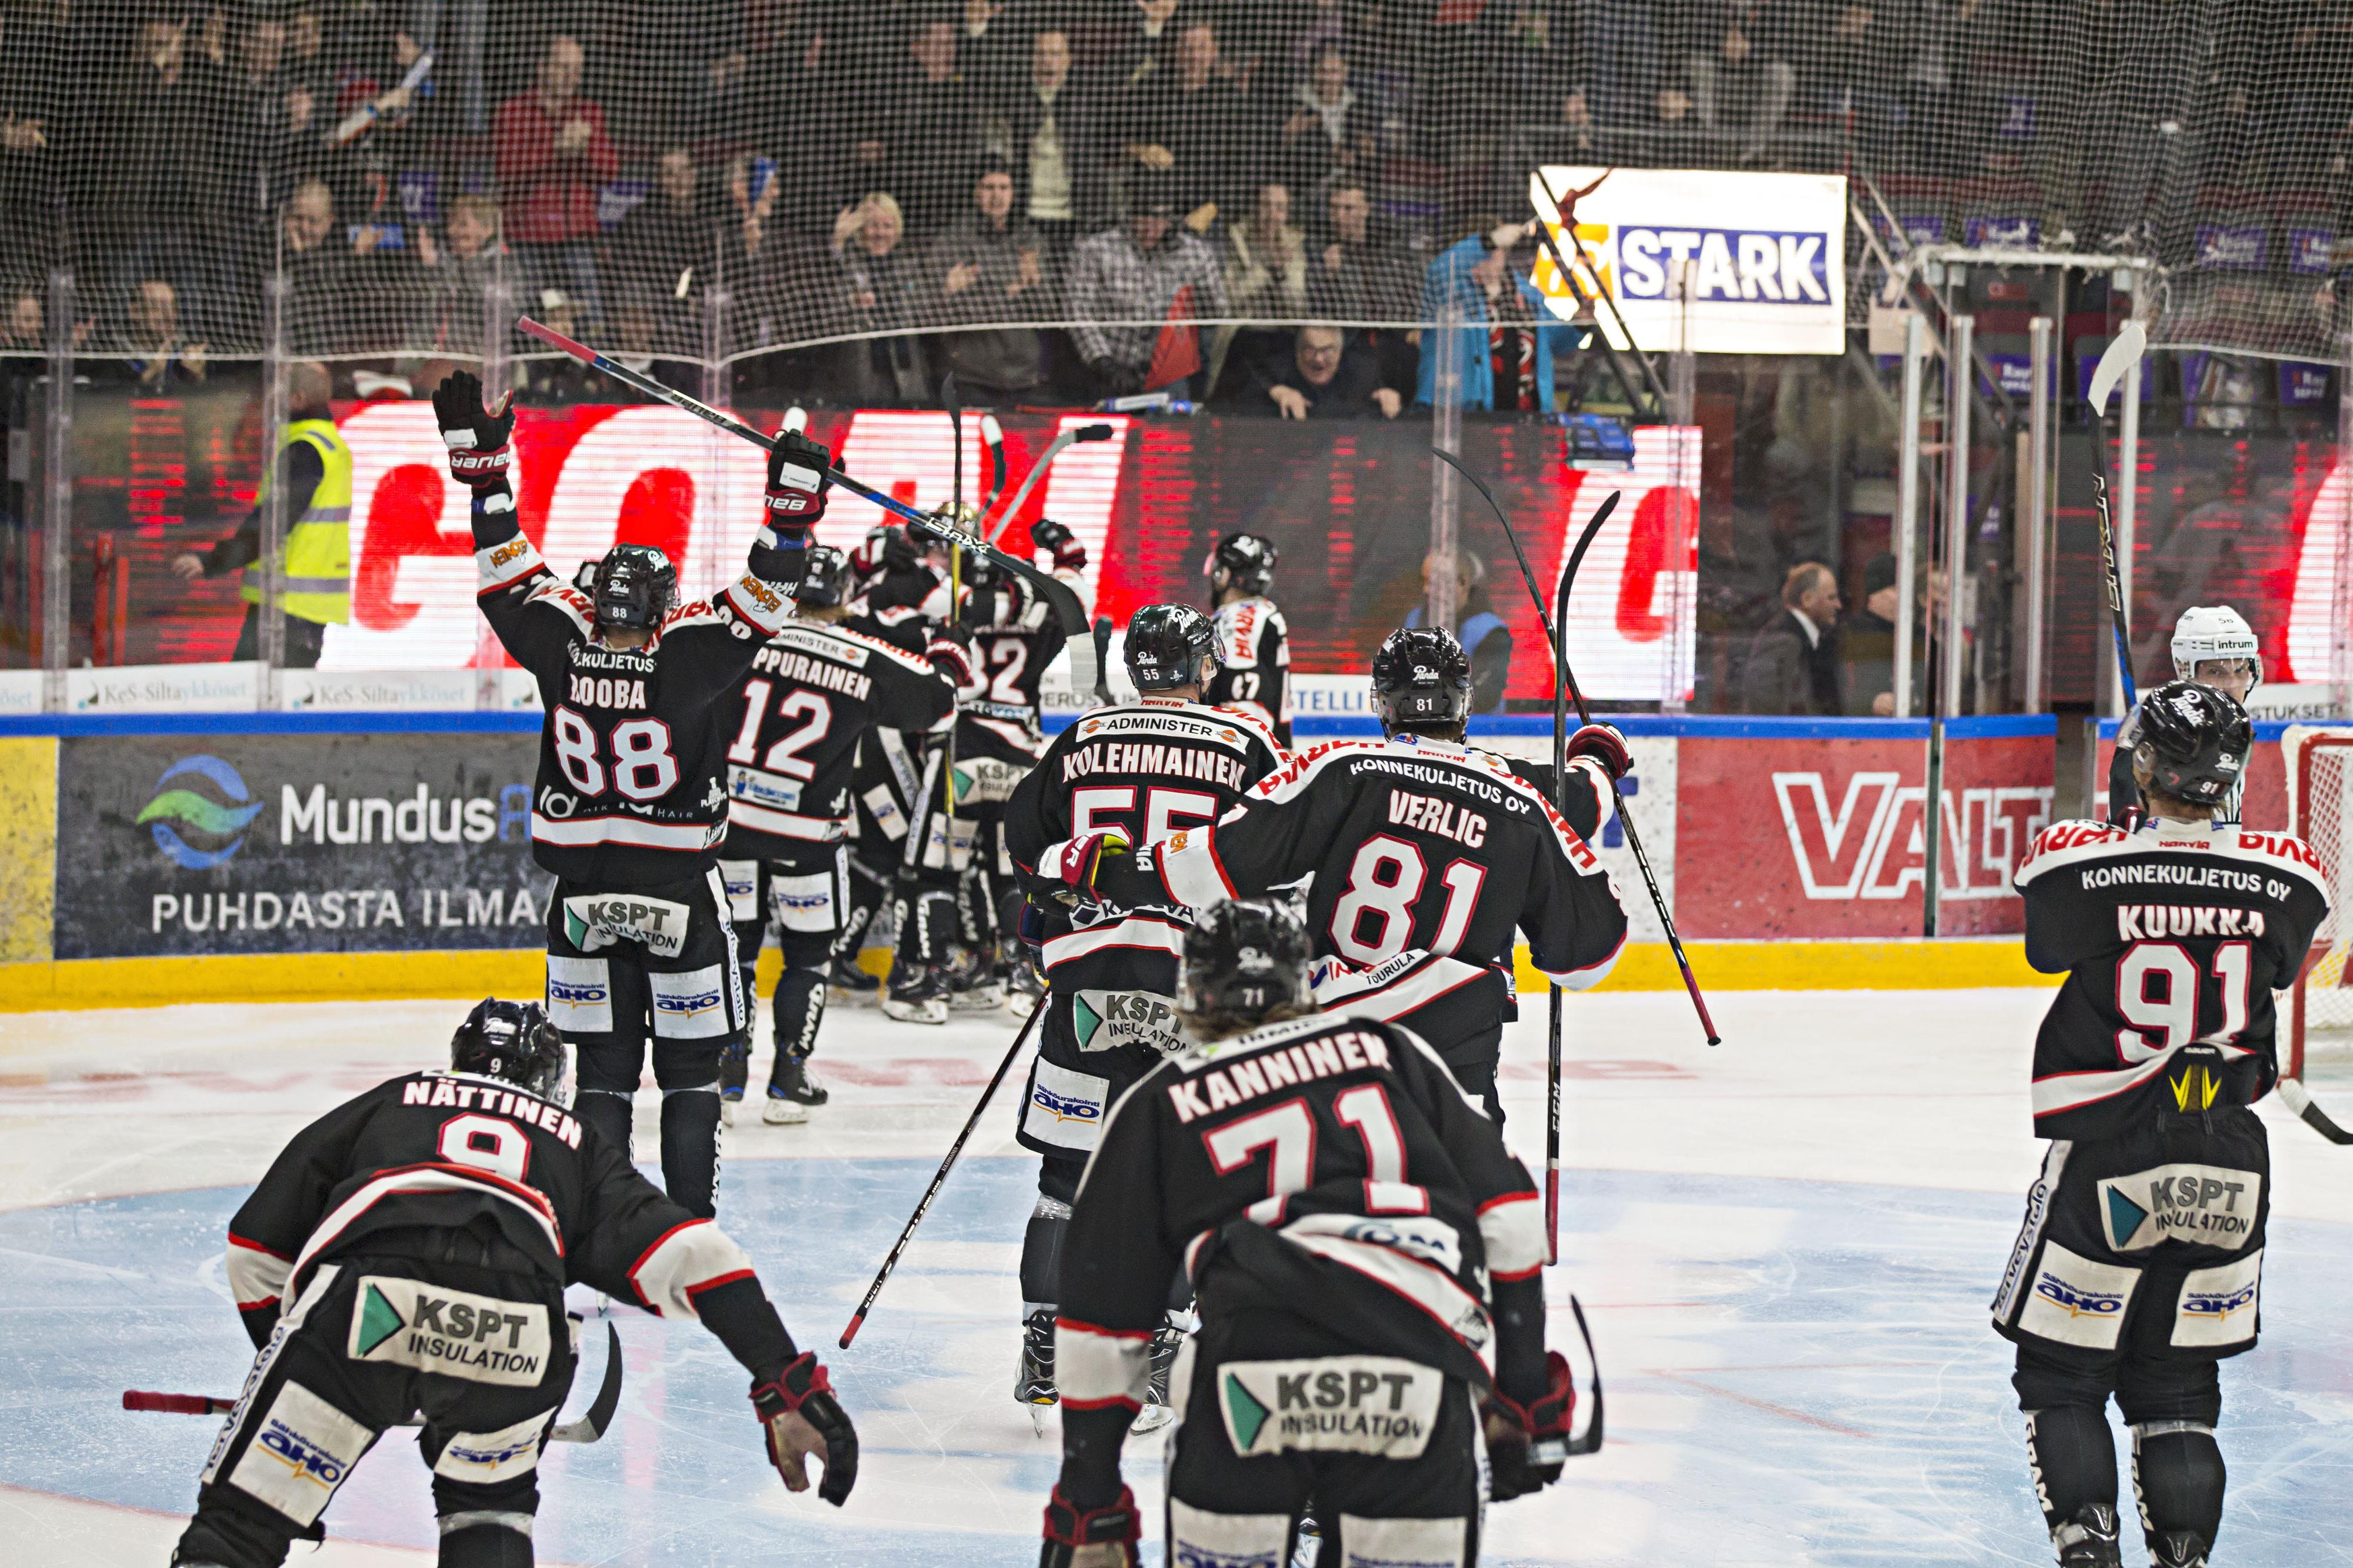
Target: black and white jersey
column 1324, row 1167
column 1411, row 843
column 903, row 603
column 814, row 691
column 1254, row 660
column 632, row 789
column 397, row 1170
column 1014, row 636
column 2173, row 935
column 1148, row 768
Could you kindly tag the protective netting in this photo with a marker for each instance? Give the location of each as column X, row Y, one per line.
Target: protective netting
column 2320, row 1021
column 870, row 192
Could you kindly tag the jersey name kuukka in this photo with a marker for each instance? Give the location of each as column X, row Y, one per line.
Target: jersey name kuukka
column 2170, row 935
column 1254, row 660
column 812, row 691
column 631, row 756
column 1412, row 844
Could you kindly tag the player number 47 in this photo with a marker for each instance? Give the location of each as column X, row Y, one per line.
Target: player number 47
column 1288, row 1132
column 2157, row 987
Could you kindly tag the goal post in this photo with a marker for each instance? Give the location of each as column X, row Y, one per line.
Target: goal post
column 2320, row 1007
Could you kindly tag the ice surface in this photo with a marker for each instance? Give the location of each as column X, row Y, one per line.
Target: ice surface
column 1785, row 1245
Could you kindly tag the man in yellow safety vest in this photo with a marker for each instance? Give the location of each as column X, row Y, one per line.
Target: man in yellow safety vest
column 314, row 469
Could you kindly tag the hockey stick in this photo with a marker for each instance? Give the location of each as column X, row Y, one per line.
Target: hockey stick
column 939, row 1178
column 1102, row 661
column 992, row 437
column 1557, row 633
column 1058, row 594
column 2299, row 1099
column 2120, row 357
column 590, row 1426
column 1038, row 472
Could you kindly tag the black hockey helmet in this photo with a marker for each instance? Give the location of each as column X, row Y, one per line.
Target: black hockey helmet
column 1165, row 644
column 2194, row 742
column 1421, row 677
column 1242, row 960
column 513, row 1042
column 1244, row 561
column 636, row 586
column 825, row 577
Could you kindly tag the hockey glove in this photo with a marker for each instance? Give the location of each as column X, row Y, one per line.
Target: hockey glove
column 799, row 473
column 1101, row 1537
column 1604, row 746
column 950, row 651
column 1069, row 555
column 800, row 1417
column 477, row 437
column 1074, row 861
column 1526, row 1444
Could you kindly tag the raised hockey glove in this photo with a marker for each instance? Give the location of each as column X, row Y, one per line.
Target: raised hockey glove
column 1074, row 861
column 799, row 1417
column 1101, row 1537
column 1604, row 746
column 799, row 473
column 477, row 437
column 1069, row 555
column 1526, row 1444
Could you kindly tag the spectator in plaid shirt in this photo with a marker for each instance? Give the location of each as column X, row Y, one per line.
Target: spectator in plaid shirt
column 1134, row 274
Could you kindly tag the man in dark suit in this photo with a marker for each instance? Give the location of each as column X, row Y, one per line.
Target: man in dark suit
column 1793, row 665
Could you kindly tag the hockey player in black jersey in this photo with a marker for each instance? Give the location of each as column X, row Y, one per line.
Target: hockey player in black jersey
column 954, row 873
column 1426, row 854
column 1253, row 643
column 1126, row 774
column 2140, row 1266
column 1368, row 1262
column 630, row 805
column 407, row 1253
column 815, row 690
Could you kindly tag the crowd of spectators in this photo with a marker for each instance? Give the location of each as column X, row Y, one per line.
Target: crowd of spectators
column 1037, row 194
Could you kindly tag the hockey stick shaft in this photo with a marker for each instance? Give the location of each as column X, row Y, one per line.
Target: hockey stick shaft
column 1564, row 680
column 2298, row 1099
column 586, row 1429
column 2119, row 358
column 1059, row 595
column 1038, row 472
column 939, row 1178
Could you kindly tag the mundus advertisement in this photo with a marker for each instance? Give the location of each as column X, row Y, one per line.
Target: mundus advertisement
column 225, row 843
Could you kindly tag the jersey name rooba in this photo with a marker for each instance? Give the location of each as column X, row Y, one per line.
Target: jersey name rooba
column 1441, row 817
column 1266, row 1071
column 600, row 691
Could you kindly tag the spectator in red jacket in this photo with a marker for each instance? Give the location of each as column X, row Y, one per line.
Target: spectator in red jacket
column 552, row 159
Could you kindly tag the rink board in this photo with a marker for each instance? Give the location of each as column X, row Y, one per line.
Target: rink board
column 154, row 859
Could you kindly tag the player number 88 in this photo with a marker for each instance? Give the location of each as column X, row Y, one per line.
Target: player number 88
column 643, row 768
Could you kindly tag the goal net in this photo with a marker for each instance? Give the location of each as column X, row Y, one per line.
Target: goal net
column 2320, row 1014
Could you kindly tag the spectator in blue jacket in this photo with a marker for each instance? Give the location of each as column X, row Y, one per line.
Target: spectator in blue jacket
column 1510, row 328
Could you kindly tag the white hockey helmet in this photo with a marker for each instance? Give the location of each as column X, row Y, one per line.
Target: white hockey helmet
column 2215, row 631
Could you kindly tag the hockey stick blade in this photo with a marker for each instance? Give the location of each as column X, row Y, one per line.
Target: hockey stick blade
column 1079, row 433
column 954, row 406
column 599, row 1418
column 2299, row 1099
column 2129, row 345
column 992, row 439
column 1102, row 659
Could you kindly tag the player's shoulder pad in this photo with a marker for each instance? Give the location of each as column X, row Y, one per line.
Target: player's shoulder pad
column 2065, row 845
column 557, row 593
column 1522, row 790
column 1236, row 713
column 1167, row 721
column 1302, row 768
column 849, row 640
